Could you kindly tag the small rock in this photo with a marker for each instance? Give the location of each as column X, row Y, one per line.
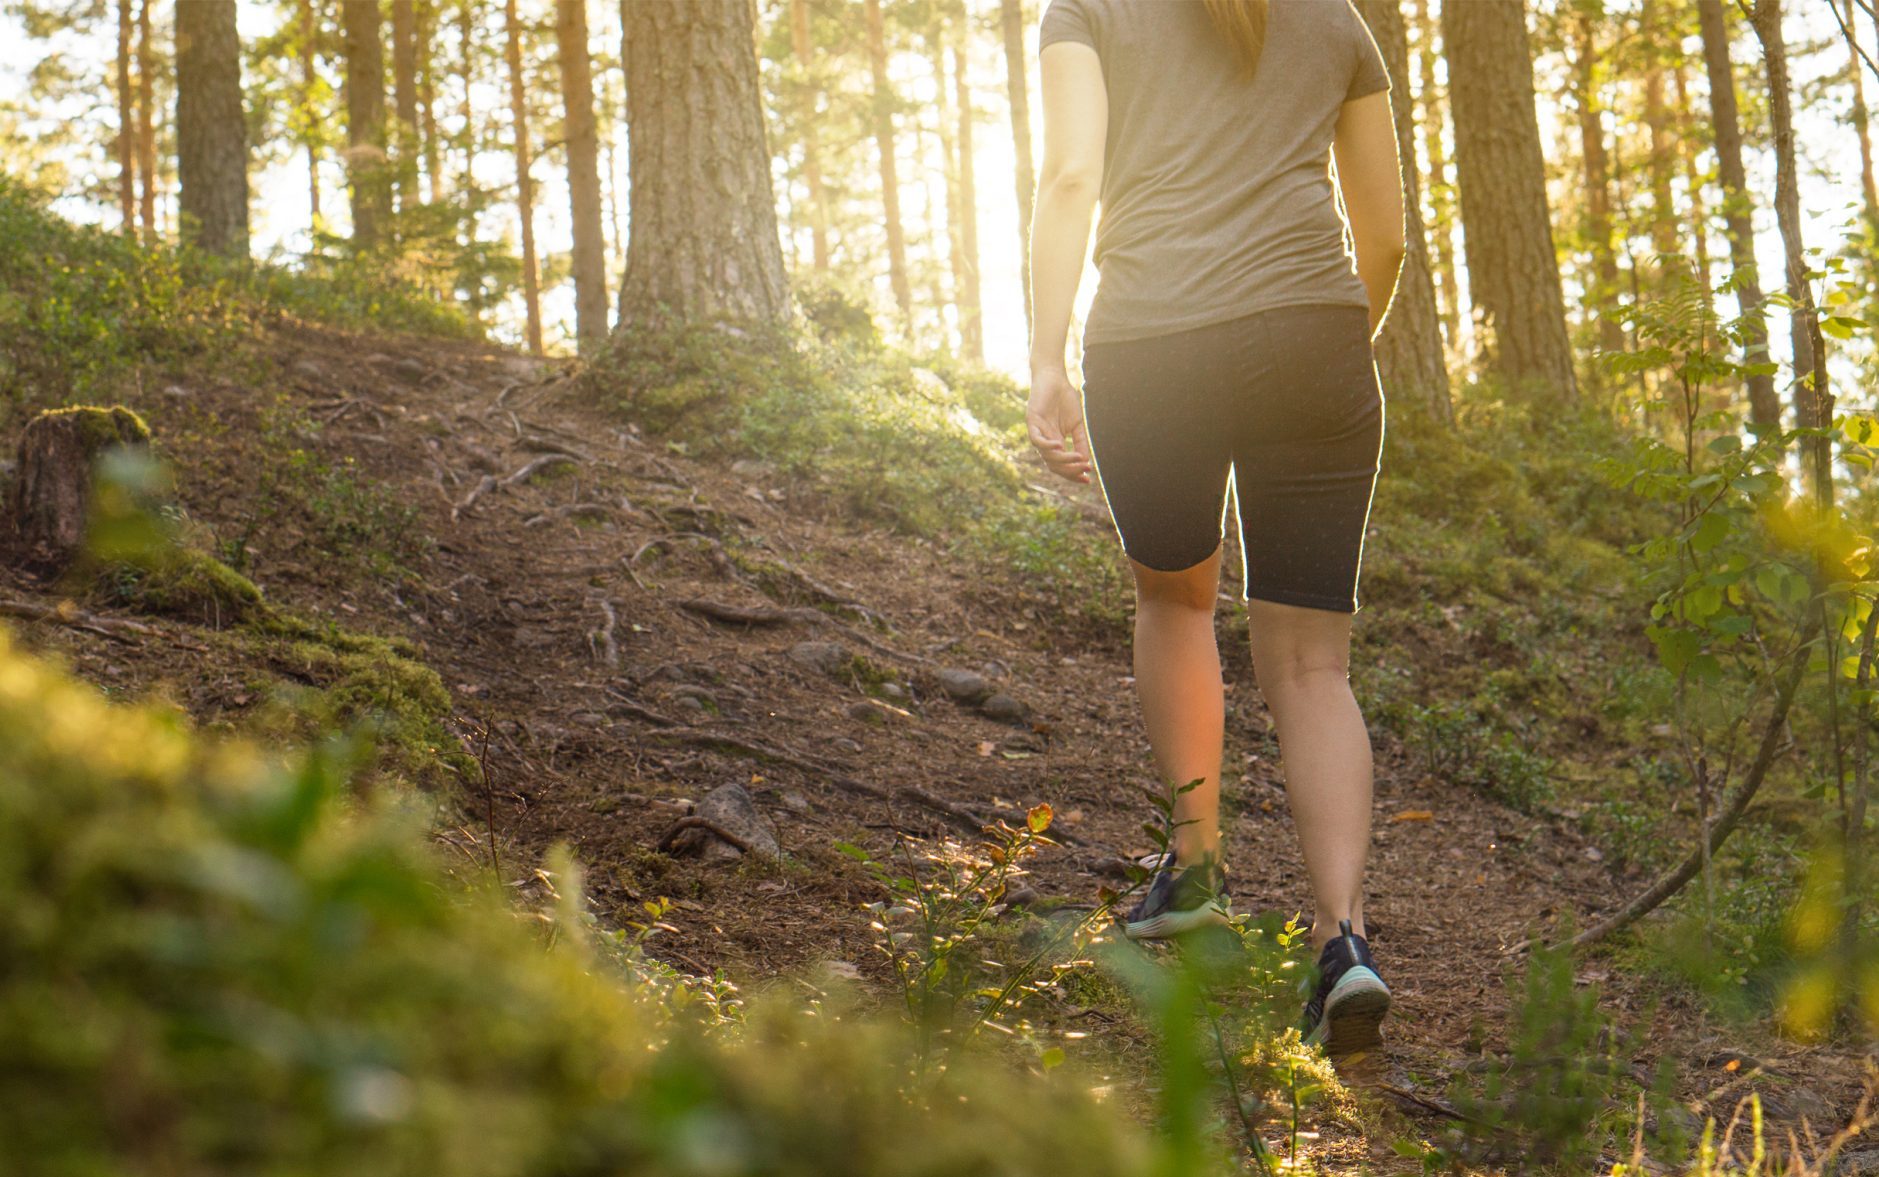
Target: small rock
column 1005, row 708
column 965, row 686
column 795, row 802
column 893, row 690
column 730, row 808
column 590, row 719
column 1021, row 897
column 826, row 657
column 690, row 704
column 846, row 744
column 409, row 368
column 751, row 468
column 866, row 711
column 309, row 370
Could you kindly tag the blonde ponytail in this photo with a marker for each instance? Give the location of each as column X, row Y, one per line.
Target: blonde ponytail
column 1242, row 24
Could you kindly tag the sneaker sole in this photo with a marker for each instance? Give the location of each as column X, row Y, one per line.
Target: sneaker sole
column 1354, row 1013
column 1174, row 923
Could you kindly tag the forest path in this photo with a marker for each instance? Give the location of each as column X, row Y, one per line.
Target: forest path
column 554, row 605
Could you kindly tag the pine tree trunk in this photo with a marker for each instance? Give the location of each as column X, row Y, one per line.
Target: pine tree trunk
column 404, row 72
column 1409, row 351
column 703, row 240
column 368, row 177
column 51, row 493
column 1764, row 405
column 309, row 78
column 804, row 50
column 1441, row 191
column 590, row 243
column 126, row 124
column 524, row 182
column 1861, row 119
column 1813, row 400
column 427, row 99
column 1598, row 214
column 1664, row 213
column 971, row 327
column 1513, row 271
column 1018, row 92
column 146, row 128
column 945, row 118
column 211, row 134
column 884, row 143
column 1693, row 176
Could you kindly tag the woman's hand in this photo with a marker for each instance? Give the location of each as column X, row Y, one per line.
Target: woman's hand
column 1055, row 418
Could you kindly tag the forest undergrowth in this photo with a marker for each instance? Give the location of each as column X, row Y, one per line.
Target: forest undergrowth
column 283, row 976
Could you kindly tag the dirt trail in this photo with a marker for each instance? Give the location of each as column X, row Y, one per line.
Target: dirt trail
column 536, row 583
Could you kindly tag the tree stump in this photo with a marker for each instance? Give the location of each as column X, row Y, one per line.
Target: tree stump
column 51, row 497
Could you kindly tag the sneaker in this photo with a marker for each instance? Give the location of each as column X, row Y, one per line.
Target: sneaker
column 1179, row 900
column 1348, row 999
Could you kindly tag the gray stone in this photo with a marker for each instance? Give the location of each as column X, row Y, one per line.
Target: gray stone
column 1005, row 708
column 965, row 686
column 825, row 657
column 730, row 808
column 866, row 711
column 893, row 690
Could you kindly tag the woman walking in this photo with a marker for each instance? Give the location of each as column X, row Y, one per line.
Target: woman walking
column 1229, row 344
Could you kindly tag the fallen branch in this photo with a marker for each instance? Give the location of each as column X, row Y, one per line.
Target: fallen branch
column 1733, row 807
column 780, row 615
column 575, row 510
column 609, row 650
column 490, row 482
column 70, row 615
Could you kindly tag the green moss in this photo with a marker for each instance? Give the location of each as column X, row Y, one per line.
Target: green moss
column 103, row 426
column 182, row 582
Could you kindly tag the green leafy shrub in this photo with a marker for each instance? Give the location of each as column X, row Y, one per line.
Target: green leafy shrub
column 213, row 962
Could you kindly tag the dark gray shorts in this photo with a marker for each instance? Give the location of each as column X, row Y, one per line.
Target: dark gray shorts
column 1285, row 401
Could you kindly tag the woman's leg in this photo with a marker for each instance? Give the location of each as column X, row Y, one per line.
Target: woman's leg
column 1177, row 680
column 1302, row 659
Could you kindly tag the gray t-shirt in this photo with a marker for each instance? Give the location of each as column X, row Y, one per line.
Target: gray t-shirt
column 1216, row 196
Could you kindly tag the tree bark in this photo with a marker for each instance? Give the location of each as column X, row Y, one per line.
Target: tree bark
column 971, row 328
column 803, row 48
column 1693, row 177
column 1813, row 399
column 1598, row 215
column 404, row 72
column 1764, row 405
column 703, row 239
column 583, row 137
column 1409, row 351
column 884, row 143
column 126, row 124
column 211, row 132
column 524, row 182
column 1861, row 119
column 1664, row 214
column 146, row 128
column 51, row 497
column 427, row 99
column 1441, row 192
column 309, row 79
column 1513, row 271
column 1018, row 92
column 945, row 121
column 368, row 177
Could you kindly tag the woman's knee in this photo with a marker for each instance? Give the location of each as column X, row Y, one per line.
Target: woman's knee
column 1196, row 587
column 1296, row 647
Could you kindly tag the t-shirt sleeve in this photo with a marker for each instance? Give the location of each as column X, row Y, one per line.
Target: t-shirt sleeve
column 1067, row 20
column 1370, row 76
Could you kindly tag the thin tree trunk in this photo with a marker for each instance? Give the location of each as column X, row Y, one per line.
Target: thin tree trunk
column 804, row 50
column 971, row 328
column 1409, row 351
column 1764, row 405
column 702, row 236
column 945, row 119
column 126, row 124
column 590, row 243
column 146, row 127
column 1664, row 215
column 309, row 79
column 1513, row 270
column 1018, row 99
column 211, row 133
column 524, row 183
column 466, row 36
column 404, row 71
column 1861, row 120
column 1598, row 215
column 427, row 99
column 1692, row 176
column 1441, row 192
column 884, row 143
column 1813, row 398
column 370, row 178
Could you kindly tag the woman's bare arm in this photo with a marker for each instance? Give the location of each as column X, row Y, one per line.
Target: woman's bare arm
column 1076, row 125
column 1371, row 182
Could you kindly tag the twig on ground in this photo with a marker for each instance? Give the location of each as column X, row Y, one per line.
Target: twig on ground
column 694, row 822
column 779, row 615
column 68, row 614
